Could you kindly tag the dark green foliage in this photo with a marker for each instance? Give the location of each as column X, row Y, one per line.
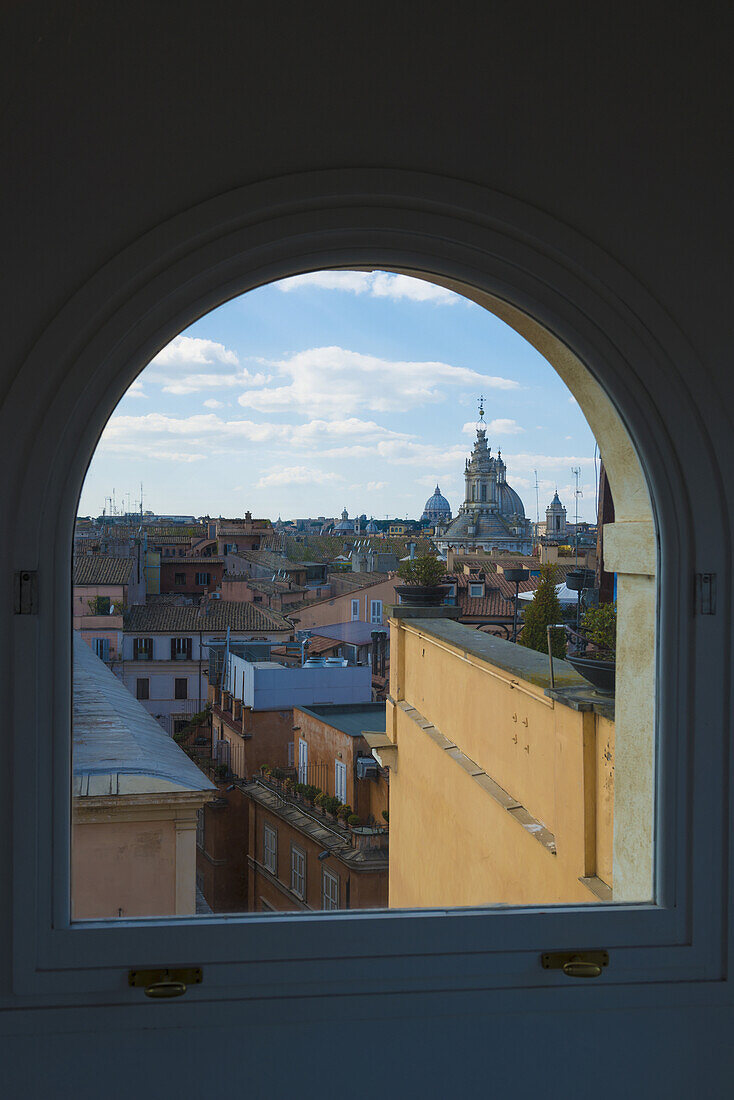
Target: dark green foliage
column 599, row 625
column 386, row 815
column 353, row 820
column 540, row 613
column 424, row 570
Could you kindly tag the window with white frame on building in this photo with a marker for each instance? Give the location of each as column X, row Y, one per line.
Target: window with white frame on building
column 355, row 610
column 302, row 760
column 329, row 890
column 298, row 871
column 270, row 849
column 340, row 780
column 203, row 578
column 142, row 649
column 180, row 649
column 101, row 647
column 376, row 611
column 476, row 589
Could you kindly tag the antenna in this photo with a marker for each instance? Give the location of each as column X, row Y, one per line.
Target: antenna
column 576, row 472
column 537, row 498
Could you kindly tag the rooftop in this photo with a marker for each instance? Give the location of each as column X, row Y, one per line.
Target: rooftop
column 351, row 718
column 219, row 615
column 354, row 633
column 328, row 836
column 100, row 569
column 118, row 748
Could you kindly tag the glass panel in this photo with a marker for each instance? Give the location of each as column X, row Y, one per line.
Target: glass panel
column 449, row 742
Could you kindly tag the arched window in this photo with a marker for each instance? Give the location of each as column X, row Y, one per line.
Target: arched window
column 89, row 381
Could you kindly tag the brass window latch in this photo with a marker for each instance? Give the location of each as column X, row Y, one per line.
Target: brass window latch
column 576, row 964
column 165, row 982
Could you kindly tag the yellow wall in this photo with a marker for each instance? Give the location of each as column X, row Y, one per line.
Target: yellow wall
column 534, row 821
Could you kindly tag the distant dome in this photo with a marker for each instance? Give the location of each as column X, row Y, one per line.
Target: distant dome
column 372, row 528
column 346, row 524
column 437, row 509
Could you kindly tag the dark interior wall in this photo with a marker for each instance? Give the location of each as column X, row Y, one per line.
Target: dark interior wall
column 614, row 120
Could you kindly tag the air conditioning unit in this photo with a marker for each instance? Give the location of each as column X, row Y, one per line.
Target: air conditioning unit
column 367, row 767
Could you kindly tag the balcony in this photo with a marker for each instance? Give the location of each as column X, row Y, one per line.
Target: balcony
column 504, row 789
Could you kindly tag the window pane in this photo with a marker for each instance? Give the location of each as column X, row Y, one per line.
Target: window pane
column 422, row 711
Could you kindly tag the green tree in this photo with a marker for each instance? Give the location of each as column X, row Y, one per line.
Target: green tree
column 542, row 611
column 599, row 624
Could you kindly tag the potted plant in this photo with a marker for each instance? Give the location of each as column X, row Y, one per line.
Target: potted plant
column 423, row 576
column 599, row 628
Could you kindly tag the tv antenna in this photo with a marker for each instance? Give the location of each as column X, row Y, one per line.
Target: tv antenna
column 578, row 492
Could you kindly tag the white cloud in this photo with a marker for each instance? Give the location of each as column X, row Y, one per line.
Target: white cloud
column 494, row 427
column 189, row 350
column 375, row 284
column 206, row 434
column 212, row 403
column 297, row 475
column 375, row 486
column 190, row 364
column 135, row 389
column 334, row 381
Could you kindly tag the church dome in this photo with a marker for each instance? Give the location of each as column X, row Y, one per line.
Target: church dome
column 346, row 524
column 437, row 509
column 510, row 503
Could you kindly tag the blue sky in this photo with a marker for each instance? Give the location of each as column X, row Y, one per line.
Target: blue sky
column 338, row 389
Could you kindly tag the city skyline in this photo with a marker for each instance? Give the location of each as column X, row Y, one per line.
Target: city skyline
column 339, row 389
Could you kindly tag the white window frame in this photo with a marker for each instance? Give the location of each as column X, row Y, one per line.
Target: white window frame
column 302, row 760
column 270, row 849
column 200, row 578
column 330, row 887
column 355, row 610
column 501, row 247
column 476, row 595
column 298, row 882
column 376, row 612
column 340, row 780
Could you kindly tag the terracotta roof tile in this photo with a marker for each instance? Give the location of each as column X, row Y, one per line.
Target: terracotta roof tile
column 100, row 569
column 169, row 618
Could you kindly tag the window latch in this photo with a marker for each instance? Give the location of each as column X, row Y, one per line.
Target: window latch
column 706, row 593
column 165, row 982
column 25, row 592
column 576, row 964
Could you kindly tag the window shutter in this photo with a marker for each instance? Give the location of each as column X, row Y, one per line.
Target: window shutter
column 188, row 649
column 173, row 649
column 135, row 649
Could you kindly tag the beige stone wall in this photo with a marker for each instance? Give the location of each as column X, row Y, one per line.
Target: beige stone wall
column 521, row 814
column 134, row 856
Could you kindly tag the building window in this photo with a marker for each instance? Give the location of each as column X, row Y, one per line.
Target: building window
column 329, row 890
column 142, row 688
column 179, row 578
column 355, row 610
column 142, row 649
column 180, row 649
column 298, row 871
column 291, row 754
column 181, row 688
column 270, row 849
column 101, row 647
column 101, row 605
column 476, row 591
column 302, row 761
column 340, row 780
column 203, row 579
column 376, row 611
